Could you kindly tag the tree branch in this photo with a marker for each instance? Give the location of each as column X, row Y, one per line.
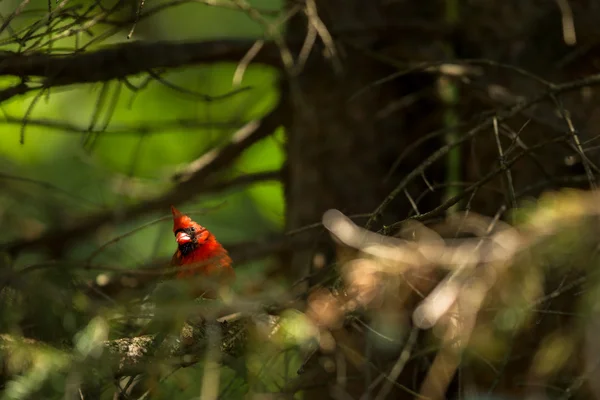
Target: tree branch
column 195, row 184
column 131, row 356
column 132, row 282
column 128, row 58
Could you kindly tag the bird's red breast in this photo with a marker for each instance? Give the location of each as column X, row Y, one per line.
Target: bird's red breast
column 198, row 251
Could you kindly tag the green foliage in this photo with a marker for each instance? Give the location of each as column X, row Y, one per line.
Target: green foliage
column 147, row 155
column 267, row 155
column 40, row 368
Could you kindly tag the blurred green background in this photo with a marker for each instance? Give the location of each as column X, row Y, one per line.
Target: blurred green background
column 96, row 158
column 120, row 166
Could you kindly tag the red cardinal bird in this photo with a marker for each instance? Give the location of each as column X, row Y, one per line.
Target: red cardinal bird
column 200, row 253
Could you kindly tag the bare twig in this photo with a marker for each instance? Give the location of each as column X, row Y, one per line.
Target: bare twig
column 554, row 90
column 59, row 237
column 512, row 200
column 399, row 365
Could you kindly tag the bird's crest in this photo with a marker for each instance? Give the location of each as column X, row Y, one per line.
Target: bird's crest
column 180, row 221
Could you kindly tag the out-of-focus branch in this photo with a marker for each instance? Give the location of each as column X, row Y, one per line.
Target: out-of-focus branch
column 197, row 165
column 133, row 355
column 129, row 58
column 243, row 180
column 195, row 184
column 131, row 281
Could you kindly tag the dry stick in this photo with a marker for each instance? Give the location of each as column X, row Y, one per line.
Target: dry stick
column 456, row 279
column 467, row 211
column 314, row 21
column 480, row 90
column 514, row 136
column 584, row 160
column 513, row 111
column 444, row 206
column 384, row 376
column 412, row 202
column 429, row 186
column 399, row 365
column 439, row 132
column 567, row 22
column 285, row 55
column 429, row 65
column 447, row 361
column 413, row 146
column 534, row 187
column 242, row 66
column 440, row 186
column 518, row 142
column 372, row 386
column 307, row 46
column 437, row 155
column 512, row 199
column 137, row 18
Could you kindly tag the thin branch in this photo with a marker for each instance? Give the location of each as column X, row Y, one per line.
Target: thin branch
column 195, row 185
column 142, row 128
column 508, row 181
column 399, row 365
column 439, row 210
column 554, row 90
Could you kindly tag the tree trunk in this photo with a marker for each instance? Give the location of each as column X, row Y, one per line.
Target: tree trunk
column 343, row 139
